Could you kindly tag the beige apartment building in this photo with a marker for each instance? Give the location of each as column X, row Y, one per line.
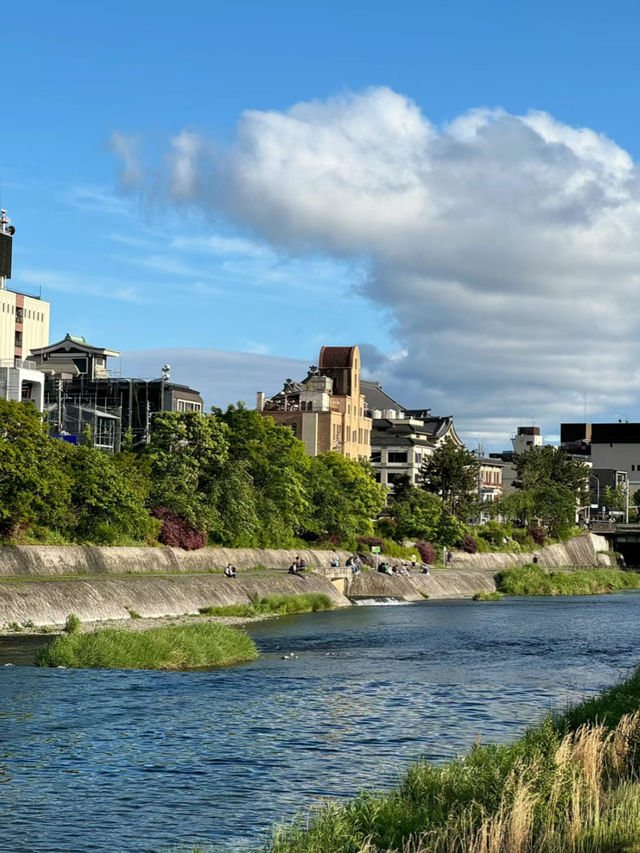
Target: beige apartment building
column 327, row 410
column 24, row 324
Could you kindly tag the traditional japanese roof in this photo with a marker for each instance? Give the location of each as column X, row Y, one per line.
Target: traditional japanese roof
column 377, row 399
column 74, row 342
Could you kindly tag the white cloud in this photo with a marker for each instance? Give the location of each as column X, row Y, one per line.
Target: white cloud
column 126, row 148
column 505, row 246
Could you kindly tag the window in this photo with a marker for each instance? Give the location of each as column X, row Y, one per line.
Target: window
column 418, row 458
column 397, row 456
column 348, row 433
column 376, row 456
column 377, row 476
column 188, row 406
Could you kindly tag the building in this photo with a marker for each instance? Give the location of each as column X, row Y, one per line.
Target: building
column 24, row 324
column 81, row 390
column 613, row 450
column 327, row 409
column 402, row 439
column 526, row 438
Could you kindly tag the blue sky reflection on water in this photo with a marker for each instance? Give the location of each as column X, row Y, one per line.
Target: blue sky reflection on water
column 142, row 761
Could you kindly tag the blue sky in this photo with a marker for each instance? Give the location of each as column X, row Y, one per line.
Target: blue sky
column 139, row 267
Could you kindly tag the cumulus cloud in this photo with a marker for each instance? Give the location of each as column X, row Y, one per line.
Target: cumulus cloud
column 505, row 246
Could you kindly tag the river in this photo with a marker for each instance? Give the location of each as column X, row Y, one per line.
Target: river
column 118, row 761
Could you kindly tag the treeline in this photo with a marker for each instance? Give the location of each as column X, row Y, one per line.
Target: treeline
column 227, row 478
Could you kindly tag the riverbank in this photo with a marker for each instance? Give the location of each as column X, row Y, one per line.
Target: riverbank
column 534, row 580
column 570, row 782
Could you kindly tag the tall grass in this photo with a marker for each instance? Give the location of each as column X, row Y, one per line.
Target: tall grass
column 569, row 784
column 535, row 580
column 172, row 647
column 275, row 605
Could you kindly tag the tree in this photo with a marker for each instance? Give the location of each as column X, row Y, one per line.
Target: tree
column 553, row 504
column 268, row 505
column 34, row 486
column 615, row 499
column 417, row 514
column 106, row 500
column 452, row 473
column 549, row 464
column 187, row 453
column 344, row 497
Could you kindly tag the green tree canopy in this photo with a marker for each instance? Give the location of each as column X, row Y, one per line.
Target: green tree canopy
column 34, row 487
column 187, row 453
column 107, row 499
column 274, row 497
column 344, row 497
column 452, row 473
column 548, row 464
column 417, row 514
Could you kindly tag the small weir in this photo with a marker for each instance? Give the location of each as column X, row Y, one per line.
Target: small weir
column 376, row 600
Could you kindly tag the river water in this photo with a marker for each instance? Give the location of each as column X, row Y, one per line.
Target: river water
column 114, row 761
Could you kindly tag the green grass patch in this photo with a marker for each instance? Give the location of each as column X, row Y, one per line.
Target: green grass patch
column 172, row 647
column 274, row 605
column 487, row 596
column 535, row 580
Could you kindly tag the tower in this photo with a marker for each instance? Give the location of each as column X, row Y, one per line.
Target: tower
column 6, row 246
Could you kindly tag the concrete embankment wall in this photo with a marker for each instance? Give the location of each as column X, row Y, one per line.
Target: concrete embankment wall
column 581, row 551
column 51, row 560
column 95, row 600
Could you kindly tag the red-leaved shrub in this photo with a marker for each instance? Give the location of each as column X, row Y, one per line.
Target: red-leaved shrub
column 538, row 535
column 176, row 532
column 427, row 552
column 469, row 544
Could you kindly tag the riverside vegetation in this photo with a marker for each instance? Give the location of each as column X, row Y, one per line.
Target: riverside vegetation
column 171, row 648
column 273, row 605
column 570, row 783
column 235, row 479
column 535, row 580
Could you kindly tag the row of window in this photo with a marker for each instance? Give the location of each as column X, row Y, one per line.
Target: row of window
column 22, row 313
column 361, row 436
column 491, row 477
column 396, row 456
column 188, row 406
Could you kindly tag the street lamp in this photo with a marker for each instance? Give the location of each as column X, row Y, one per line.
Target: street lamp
column 165, row 376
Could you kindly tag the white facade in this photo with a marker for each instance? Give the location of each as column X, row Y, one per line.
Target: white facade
column 20, row 381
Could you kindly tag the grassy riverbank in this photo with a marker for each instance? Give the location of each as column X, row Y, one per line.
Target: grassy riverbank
column 535, row 580
column 274, row 605
column 172, row 647
column 569, row 784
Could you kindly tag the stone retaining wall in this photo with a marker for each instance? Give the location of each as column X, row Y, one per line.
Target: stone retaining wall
column 96, row 600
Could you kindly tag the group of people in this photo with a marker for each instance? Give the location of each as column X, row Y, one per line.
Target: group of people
column 299, row 565
column 230, row 571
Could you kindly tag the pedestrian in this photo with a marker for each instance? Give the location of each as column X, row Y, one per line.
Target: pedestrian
column 449, row 558
column 230, row 571
column 413, row 561
column 335, row 562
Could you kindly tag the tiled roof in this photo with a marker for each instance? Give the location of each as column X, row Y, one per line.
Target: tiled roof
column 377, row 399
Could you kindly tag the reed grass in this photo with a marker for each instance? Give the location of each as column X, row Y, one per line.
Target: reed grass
column 274, row 605
column 569, row 784
column 171, row 648
column 535, row 580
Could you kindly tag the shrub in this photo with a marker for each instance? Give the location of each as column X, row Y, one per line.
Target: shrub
column 469, row 544
column 176, row 532
column 427, row 552
column 538, row 535
column 370, row 542
column 73, row 624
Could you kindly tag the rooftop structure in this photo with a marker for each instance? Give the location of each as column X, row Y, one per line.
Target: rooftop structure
column 326, row 410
